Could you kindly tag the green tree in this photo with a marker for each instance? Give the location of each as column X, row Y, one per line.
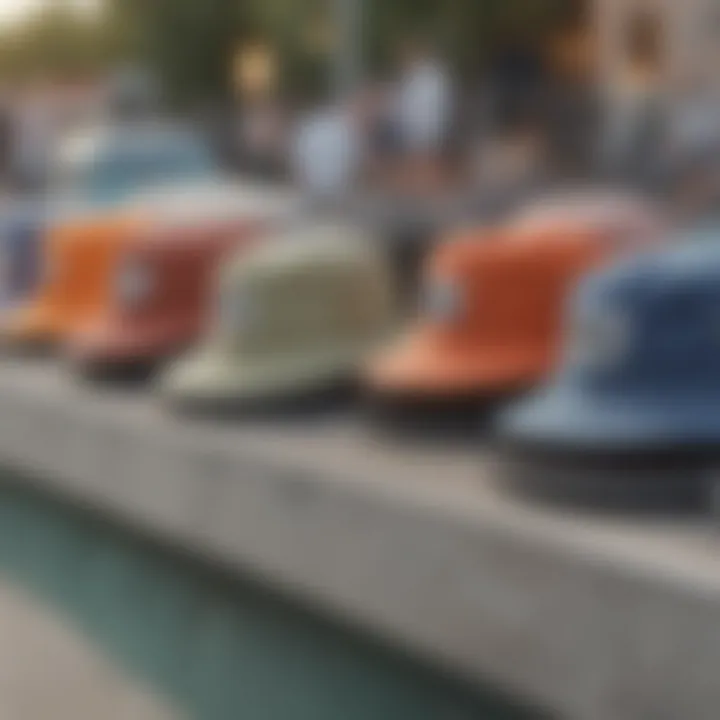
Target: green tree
column 60, row 42
column 189, row 44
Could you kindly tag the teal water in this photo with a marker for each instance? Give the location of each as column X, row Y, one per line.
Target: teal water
column 222, row 648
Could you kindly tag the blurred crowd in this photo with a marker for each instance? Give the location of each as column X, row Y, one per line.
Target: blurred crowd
column 520, row 125
column 525, row 122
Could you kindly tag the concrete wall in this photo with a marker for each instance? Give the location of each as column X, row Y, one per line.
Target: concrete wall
column 596, row 618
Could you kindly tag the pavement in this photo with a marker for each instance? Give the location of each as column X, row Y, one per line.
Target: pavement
column 49, row 671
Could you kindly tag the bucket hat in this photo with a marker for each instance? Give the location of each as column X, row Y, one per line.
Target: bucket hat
column 296, row 315
column 635, row 403
column 490, row 319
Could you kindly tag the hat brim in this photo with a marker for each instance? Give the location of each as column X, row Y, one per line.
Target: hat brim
column 419, row 369
column 106, row 342
column 213, row 379
column 29, row 325
column 623, row 455
column 561, row 418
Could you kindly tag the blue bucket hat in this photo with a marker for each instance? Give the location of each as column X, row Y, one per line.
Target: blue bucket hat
column 639, row 383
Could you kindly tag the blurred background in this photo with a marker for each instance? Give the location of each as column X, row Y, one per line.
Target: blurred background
column 228, row 202
column 571, row 85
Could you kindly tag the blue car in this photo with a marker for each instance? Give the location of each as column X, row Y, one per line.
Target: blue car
column 633, row 413
column 91, row 171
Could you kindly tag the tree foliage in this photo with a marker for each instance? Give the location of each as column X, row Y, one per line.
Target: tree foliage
column 466, row 31
column 190, row 44
column 59, row 42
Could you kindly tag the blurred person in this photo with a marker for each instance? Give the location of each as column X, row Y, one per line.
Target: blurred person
column 326, row 150
column 7, row 129
column 511, row 163
column 571, row 108
column 34, row 137
column 636, row 122
column 693, row 151
column 263, row 135
column 423, row 112
column 382, row 135
column 635, row 130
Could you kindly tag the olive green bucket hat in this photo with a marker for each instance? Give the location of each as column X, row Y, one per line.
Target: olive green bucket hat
column 295, row 315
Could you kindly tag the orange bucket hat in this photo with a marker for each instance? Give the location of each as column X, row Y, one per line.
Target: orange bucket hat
column 492, row 301
column 78, row 261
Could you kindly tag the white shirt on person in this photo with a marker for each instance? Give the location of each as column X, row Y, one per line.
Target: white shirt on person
column 326, row 152
column 424, row 106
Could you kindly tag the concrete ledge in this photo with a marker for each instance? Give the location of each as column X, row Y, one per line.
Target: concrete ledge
column 598, row 619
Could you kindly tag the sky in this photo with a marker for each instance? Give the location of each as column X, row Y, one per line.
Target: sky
column 12, row 11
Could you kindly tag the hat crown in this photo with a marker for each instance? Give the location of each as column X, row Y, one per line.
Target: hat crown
column 303, row 299
column 669, row 307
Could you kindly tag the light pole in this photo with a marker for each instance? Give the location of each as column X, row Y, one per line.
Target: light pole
column 348, row 51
